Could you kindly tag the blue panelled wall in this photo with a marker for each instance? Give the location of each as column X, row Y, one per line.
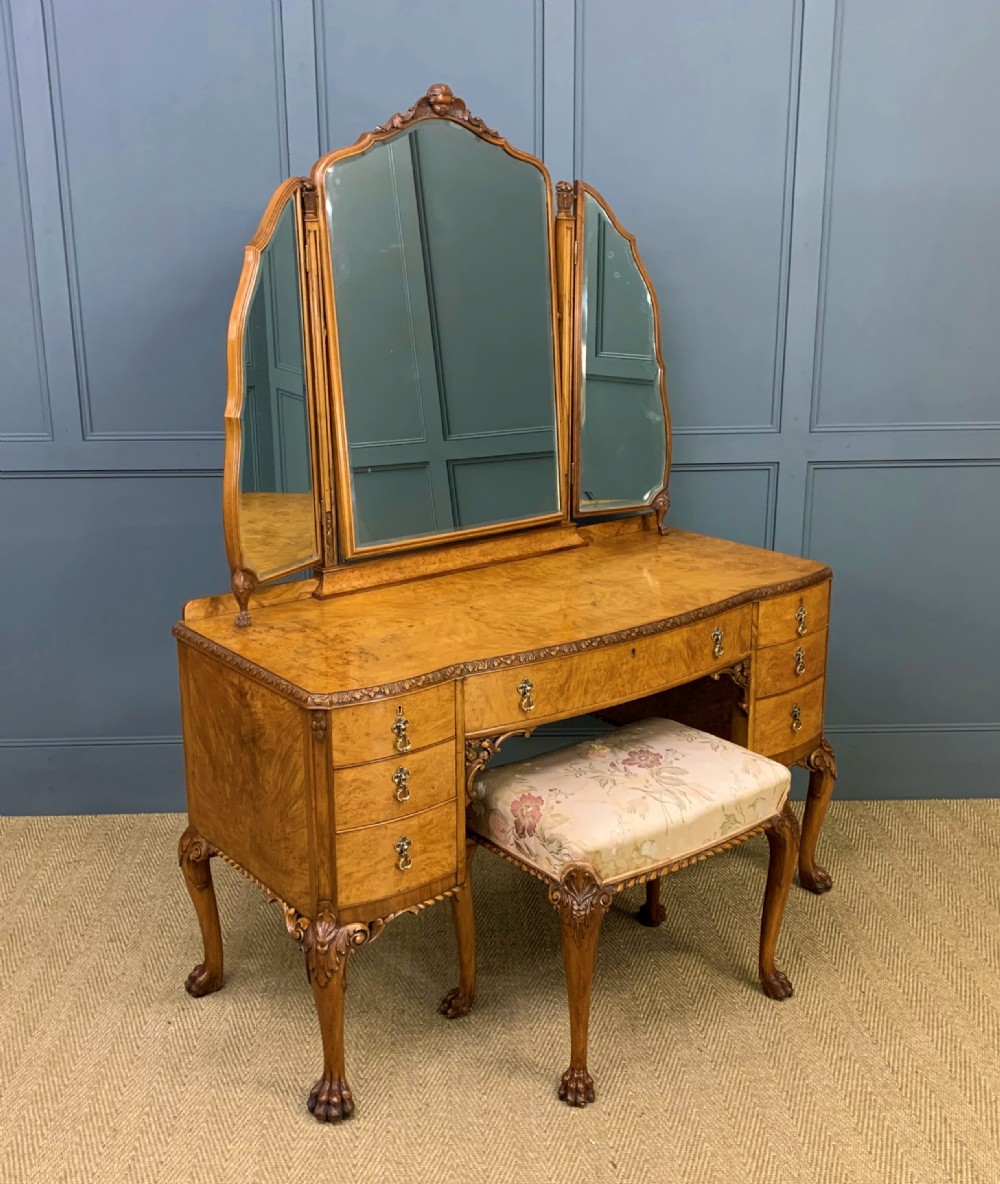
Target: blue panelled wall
column 814, row 187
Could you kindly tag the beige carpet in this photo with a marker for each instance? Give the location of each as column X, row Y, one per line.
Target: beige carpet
column 885, row 1066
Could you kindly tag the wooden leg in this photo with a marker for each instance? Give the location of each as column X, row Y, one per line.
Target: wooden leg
column 581, row 901
column 459, row 1000
column 652, row 912
column 822, row 766
column 193, row 854
column 782, row 838
column 327, row 948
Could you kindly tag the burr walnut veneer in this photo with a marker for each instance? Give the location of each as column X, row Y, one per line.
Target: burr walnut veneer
column 443, row 372
column 329, row 747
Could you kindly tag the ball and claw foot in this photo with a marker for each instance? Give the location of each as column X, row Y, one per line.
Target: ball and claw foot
column 202, row 982
column 576, row 1087
column 776, row 985
column 455, row 1004
column 818, row 880
column 330, row 1101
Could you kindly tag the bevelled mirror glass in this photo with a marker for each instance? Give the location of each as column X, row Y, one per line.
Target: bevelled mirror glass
column 441, row 249
column 623, row 440
column 277, row 521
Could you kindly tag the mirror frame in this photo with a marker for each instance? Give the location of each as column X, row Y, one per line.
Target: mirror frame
column 245, row 578
column 660, row 502
column 438, row 103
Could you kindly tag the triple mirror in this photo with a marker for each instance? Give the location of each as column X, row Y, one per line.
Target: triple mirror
column 423, row 350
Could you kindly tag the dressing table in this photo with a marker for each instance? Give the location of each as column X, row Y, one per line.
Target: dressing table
column 445, row 501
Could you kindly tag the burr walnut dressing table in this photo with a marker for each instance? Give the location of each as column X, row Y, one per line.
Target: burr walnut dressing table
column 445, row 489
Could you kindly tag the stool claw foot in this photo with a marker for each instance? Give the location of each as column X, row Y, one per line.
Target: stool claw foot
column 815, row 879
column 331, row 1100
column 455, row 1004
column 576, row 1087
column 202, row 981
column 776, row 985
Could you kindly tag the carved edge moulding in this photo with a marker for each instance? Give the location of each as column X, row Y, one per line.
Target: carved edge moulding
column 481, row 665
column 438, row 103
column 244, row 578
column 660, row 502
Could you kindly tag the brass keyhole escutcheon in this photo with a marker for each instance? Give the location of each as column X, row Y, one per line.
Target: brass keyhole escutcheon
column 796, row 714
column 401, row 780
column 402, row 849
column 718, row 649
column 525, row 689
column 399, row 730
column 800, row 661
column 800, row 619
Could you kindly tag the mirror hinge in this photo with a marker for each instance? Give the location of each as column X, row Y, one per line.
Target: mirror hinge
column 310, row 202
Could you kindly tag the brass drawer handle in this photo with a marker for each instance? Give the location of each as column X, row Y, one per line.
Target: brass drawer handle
column 796, row 714
column 718, row 649
column 401, row 780
column 800, row 661
column 525, row 689
column 399, row 727
column 402, row 849
column 800, row 618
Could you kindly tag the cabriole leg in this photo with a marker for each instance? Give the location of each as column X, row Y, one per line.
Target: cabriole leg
column 581, row 902
column 193, row 855
column 652, row 912
column 327, row 947
column 459, row 1000
column 783, row 840
column 822, row 766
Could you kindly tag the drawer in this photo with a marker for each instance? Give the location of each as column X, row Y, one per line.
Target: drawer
column 374, row 730
column 782, row 667
column 368, row 863
column 587, row 681
column 788, row 617
column 366, row 794
column 774, row 719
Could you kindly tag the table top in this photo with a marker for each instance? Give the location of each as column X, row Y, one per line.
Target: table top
column 386, row 640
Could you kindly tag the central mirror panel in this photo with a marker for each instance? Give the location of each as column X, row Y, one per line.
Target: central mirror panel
column 441, row 246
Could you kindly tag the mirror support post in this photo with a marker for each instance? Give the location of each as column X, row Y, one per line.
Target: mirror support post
column 566, row 258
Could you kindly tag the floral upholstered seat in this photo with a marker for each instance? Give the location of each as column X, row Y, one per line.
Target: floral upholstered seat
column 643, row 796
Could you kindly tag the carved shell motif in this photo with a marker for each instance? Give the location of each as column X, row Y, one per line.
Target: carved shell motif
column 438, row 101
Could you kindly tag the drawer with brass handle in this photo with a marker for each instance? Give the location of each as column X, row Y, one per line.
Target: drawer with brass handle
column 394, row 787
column 786, row 721
column 393, row 727
column 578, row 682
column 791, row 617
column 782, row 667
column 375, row 862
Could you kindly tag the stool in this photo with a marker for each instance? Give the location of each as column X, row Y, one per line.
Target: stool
column 627, row 808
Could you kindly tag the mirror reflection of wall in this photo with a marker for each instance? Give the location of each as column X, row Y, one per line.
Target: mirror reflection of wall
column 443, row 295
column 277, row 522
column 622, row 424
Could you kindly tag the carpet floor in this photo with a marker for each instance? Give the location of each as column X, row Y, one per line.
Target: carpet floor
column 885, row 1066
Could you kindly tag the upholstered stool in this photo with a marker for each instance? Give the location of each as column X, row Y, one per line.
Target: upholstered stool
column 597, row 817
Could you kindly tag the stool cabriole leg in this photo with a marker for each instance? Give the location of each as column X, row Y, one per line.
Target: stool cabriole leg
column 783, row 841
column 459, row 1000
column 193, row 855
column 581, row 902
column 822, row 766
column 652, row 912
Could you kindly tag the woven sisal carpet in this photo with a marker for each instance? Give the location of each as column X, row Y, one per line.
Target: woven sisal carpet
column 885, row 1066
